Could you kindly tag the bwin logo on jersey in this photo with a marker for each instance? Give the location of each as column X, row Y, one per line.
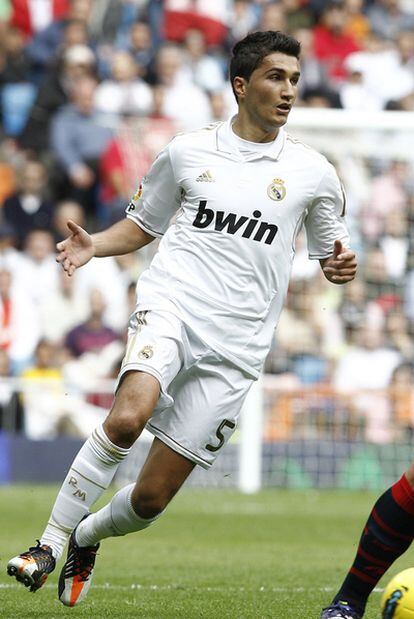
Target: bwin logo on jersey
column 231, row 223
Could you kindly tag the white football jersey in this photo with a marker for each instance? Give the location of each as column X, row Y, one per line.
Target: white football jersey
column 223, row 265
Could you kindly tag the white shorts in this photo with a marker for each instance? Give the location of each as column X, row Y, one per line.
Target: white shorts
column 201, row 393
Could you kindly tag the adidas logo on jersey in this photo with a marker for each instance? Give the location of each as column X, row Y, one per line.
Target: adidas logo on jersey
column 205, row 177
column 231, row 223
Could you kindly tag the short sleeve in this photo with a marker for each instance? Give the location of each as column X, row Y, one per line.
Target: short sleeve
column 325, row 220
column 158, row 197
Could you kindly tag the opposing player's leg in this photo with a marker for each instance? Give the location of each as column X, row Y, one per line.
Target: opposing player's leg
column 132, row 509
column 387, row 534
column 89, row 475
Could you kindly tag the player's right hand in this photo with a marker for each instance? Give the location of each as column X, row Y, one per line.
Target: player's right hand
column 76, row 250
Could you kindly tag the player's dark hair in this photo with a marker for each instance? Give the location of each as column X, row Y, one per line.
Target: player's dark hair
column 248, row 53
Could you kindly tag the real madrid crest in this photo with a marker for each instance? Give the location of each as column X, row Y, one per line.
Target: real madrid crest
column 276, row 190
column 146, row 352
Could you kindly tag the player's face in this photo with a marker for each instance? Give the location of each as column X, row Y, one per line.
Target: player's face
column 269, row 94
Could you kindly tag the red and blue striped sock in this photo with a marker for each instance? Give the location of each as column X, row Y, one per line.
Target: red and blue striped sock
column 388, row 533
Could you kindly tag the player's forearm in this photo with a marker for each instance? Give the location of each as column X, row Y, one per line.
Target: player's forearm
column 121, row 238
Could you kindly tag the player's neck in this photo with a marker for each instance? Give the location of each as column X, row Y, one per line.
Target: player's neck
column 247, row 130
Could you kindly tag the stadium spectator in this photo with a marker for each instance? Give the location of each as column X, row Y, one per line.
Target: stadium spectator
column 5, row 14
column 243, row 19
column 353, row 309
column 33, row 17
column 358, row 25
column 397, row 330
column 299, row 336
column 10, row 258
column 14, row 63
column 204, row 69
column 388, row 19
column 222, row 105
column 369, row 351
column 368, row 67
column 125, row 91
column 61, row 33
column 154, row 12
column 49, row 412
column 62, row 310
column 8, row 170
column 332, row 43
column 388, row 192
column 29, row 208
column 320, row 97
column 353, row 92
column 129, row 154
column 313, row 75
column 111, row 276
column 126, row 159
column 78, row 139
column 11, row 409
column 82, row 373
column 273, row 17
column 42, row 388
column 297, row 15
column 76, row 62
column 183, row 101
column 209, row 17
column 19, row 321
column 65, row 210
column 17, row 91
column 92, row 334
column 385, row 292
column 39, row 274
column 110, row 21
column 139, row 44
column 394, row 244
column 401, row 395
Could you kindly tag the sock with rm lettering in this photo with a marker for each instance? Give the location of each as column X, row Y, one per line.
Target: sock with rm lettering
column 89, row 475
column 114, row 519
column 388, row 533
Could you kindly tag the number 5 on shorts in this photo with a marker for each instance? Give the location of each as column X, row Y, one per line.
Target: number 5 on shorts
column 224, row 424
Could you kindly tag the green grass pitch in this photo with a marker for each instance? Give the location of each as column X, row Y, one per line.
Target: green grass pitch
column 215, row 554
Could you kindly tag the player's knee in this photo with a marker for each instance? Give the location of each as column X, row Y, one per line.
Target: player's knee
column 123, row 427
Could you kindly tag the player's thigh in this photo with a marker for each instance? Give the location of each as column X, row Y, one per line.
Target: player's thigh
column 207, row 403
column 154, row 347
column 137, row 395
column 134, row 403
column 152, row 359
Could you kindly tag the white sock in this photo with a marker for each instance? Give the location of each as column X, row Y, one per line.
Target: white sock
column 90, row 474
column 116, row 518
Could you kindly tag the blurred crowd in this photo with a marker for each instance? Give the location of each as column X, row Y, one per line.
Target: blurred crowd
column 346, row 354
column 90, row 91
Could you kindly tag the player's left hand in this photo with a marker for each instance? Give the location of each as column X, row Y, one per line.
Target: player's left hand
column 341, row 267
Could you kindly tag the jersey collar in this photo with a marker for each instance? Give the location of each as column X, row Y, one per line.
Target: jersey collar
column 226, row 143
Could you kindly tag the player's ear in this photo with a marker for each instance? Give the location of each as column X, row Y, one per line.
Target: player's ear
column 239, row 84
